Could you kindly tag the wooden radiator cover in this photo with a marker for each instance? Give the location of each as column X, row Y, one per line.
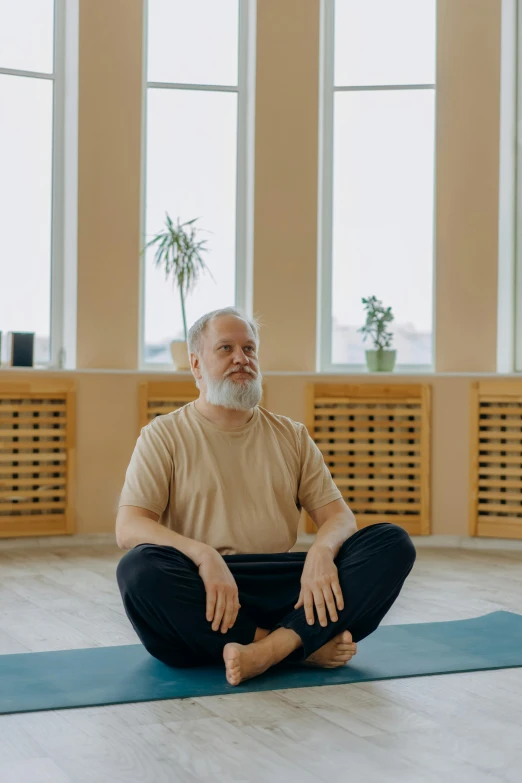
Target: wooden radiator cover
column 496, row 459
column 37, row 458
column 375, row 440
column 159, row 397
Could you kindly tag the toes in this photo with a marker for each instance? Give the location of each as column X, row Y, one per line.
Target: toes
column 233, row 680
column 233, row 675
column 346, row 637
column 343, row 655
column 232, row 659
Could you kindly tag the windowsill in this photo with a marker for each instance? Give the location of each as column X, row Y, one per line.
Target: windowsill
column 355, row 372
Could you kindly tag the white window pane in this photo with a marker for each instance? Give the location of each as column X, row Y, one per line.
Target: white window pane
column 193, row 42
column 25, row 208
column 383, row 219
column 26, row 35
column 384, row 42
column 191, row 173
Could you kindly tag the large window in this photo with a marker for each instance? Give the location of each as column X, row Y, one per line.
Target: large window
column 28, row 101
column 378, row 175
column 195, row 156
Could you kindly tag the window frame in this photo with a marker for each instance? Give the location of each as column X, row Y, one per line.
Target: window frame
column 245, row 90
column 327, row 90
column 510, row 220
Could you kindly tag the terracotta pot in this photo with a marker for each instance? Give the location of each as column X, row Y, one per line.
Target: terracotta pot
column 179, row 351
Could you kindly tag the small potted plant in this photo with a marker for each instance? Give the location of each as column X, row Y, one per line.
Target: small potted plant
column 377, row 317
column 178, row 251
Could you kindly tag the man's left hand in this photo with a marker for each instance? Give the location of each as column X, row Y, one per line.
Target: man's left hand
column 320, row 586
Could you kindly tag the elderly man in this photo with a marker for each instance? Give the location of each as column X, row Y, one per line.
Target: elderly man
column 209, row 511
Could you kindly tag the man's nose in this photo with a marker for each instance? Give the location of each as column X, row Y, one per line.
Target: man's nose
column 240, row 357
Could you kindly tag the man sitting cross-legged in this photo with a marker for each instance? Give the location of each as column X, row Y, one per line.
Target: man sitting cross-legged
column 209, row 511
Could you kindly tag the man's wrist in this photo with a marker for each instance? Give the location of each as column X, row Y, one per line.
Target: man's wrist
column 325, row 546
column 202, row 552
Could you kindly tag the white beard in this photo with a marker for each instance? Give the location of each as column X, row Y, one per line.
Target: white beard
column 227, row 393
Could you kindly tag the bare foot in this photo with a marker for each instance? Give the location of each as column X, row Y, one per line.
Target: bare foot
column 335, row 653
column 243, row 661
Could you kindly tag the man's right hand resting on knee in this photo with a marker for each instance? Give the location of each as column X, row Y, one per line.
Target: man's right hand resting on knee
column 137, row 525
column 221, row 589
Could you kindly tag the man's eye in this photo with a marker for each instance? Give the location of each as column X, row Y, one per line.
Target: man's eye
column 250, row 347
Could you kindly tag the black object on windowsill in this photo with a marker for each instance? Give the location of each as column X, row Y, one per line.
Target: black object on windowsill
column 19, row 349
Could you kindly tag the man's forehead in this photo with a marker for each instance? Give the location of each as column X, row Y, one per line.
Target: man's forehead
column 243, row 337
column 227, row 331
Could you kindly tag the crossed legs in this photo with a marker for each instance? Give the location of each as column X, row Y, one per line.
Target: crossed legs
column 164, row 598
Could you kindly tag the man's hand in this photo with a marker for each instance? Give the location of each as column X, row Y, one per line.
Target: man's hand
column 221, row 588
column 319, row 586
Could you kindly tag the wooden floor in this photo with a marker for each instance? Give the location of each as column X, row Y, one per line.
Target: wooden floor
column 463, row 728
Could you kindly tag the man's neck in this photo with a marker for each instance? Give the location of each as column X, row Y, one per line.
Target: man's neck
column 224, row 417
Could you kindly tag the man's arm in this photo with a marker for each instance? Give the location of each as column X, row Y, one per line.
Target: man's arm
column 335, row 524
column 136, row 525
column 335, row 521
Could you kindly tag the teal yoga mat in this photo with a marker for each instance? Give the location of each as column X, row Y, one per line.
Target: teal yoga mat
column 114, row 675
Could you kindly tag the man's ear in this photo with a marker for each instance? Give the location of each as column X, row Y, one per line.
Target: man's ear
column 194, row 363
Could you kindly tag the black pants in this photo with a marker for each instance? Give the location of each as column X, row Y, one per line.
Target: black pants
column 165, row 600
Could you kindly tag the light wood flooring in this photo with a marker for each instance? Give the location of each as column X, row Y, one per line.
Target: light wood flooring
column 462, row 728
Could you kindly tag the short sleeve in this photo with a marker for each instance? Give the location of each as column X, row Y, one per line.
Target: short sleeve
column 148, row 476
column 316, row 486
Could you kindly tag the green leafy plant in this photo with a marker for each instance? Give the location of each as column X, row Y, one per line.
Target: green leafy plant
column 377, row 319
column 178, row 251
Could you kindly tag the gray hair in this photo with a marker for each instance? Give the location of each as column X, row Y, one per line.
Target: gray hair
column 197, row 330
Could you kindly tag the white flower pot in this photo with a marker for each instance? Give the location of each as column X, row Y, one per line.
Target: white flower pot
column 179, row 351
column 381, row 360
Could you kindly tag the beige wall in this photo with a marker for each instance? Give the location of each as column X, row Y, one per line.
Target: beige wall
column 285, row 218
column 109, row 144
column 468, row 133
column 285, row 232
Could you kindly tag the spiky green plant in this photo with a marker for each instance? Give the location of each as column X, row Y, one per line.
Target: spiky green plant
column 178, row 252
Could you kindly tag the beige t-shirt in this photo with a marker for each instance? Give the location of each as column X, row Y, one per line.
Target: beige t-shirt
column 239, row 489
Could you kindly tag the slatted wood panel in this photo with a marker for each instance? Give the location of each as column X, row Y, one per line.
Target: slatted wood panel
column 37, row 458
column 159, row 397
column 496, row 459
column 375, row 440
